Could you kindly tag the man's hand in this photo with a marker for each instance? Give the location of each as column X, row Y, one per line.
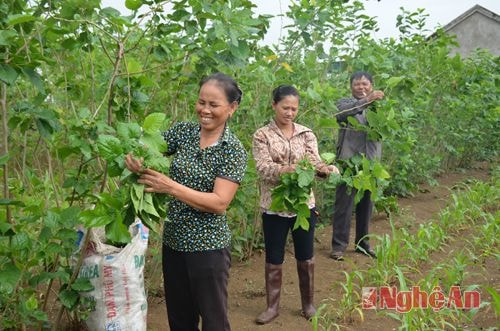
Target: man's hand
column 375, row 95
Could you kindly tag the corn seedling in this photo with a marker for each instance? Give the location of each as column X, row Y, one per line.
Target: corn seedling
column 323, row 320
column 348, row 306
column 389, row 250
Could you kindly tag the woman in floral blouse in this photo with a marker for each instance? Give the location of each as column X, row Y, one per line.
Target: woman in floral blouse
column 277, row 148
column 208, row 164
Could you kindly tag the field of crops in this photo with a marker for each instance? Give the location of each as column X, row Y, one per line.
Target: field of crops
column 79, row 83
column 456, row 257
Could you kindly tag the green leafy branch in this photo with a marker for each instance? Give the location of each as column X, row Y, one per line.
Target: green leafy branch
column 118, row 210
column 293, row 193
column 363, row 175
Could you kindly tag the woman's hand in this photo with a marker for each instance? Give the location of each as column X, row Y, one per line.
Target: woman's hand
column 212, row 202
column 133, row 164
column 153, row 181
column 288, row 168
column 156, row 182
column 333, row 169
column 325, row 170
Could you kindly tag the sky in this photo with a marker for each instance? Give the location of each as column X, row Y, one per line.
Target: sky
column 440, row 12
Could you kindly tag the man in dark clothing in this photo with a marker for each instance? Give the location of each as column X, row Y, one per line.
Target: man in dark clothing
column 353, row 142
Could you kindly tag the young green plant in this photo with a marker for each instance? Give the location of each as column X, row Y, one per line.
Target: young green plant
column 293, row 193
column 118, row 210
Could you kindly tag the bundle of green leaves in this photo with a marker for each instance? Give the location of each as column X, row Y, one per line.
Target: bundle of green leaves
column 118, row 209
column 293, row 193
column 363, row 175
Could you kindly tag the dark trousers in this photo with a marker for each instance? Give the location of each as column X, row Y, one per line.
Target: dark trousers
column 276, row 230
column 196, row 286
column 344, row 202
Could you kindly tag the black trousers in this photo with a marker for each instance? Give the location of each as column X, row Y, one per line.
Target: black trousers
column 196, row 286
column 276, row 230
column 344, row 202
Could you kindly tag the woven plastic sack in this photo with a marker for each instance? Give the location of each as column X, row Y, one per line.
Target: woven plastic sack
column 117, row 275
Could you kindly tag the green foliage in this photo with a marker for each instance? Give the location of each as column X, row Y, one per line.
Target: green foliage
column 118, row 210
column 363, row 175
column 293, row 193
column 77, row 78
column 401, row 253
column 496, row 299
column 133, row 4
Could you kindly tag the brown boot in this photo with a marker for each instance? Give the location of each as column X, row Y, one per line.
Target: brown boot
column 305, row 269
column 273, row 290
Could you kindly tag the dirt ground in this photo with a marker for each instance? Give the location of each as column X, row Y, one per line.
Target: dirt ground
column 246, row 283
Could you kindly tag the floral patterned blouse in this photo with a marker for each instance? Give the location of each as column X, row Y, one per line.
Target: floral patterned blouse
column 188, row 229
column 272, row 152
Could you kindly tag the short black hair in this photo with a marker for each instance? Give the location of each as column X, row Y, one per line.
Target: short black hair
column 227, row 83
column 360, row 74
column 282, row 91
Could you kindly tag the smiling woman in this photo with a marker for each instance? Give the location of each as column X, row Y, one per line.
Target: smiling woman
column 208, row 164
column 214, row 109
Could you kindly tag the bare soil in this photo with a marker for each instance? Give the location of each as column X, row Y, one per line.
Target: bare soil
column 246, row 284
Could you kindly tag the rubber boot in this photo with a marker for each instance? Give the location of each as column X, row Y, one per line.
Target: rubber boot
column 273, row 290
column 305, row 269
